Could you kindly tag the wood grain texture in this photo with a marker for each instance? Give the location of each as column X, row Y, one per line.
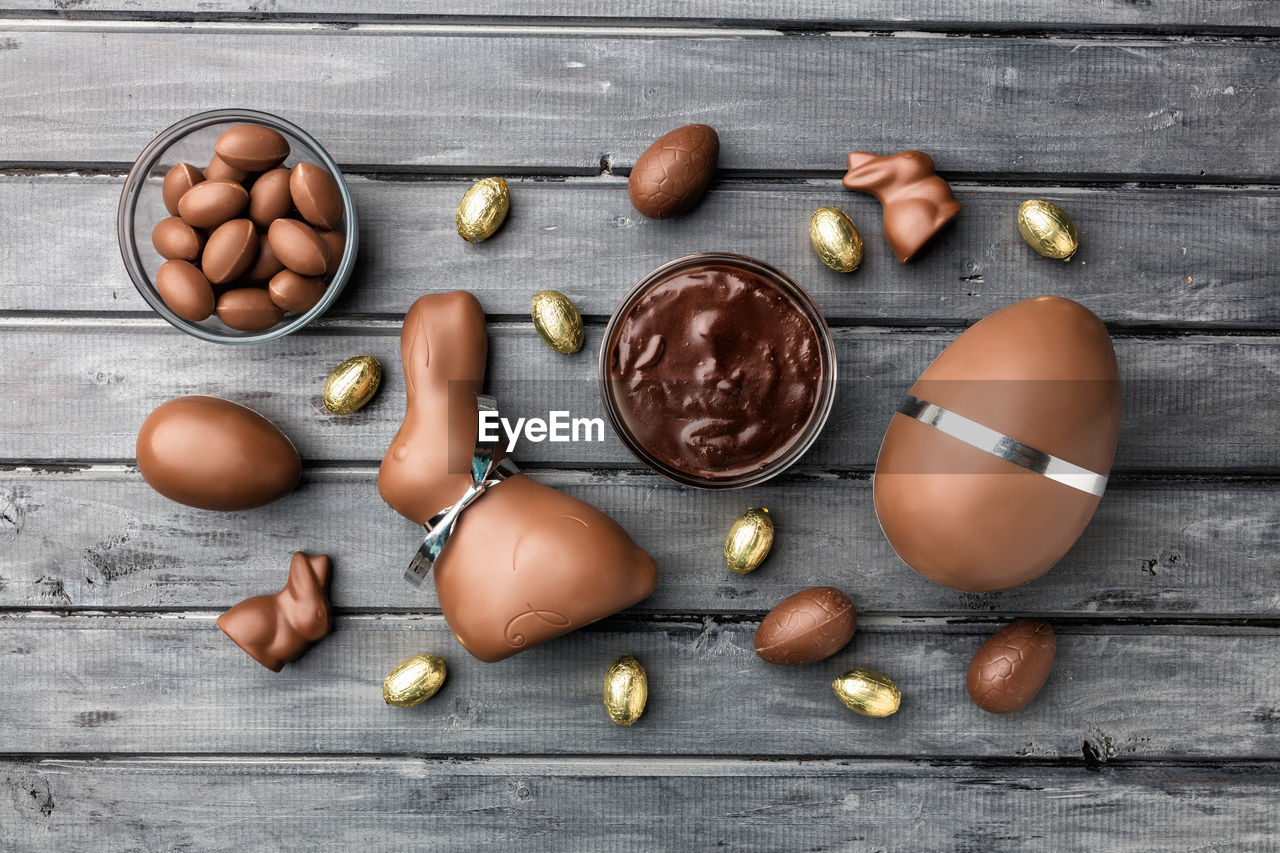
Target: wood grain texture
column 1191, row 402
column 1175, row 257
column 569, row 102
column 1214, row 15
column 103, row 539
column 109, row 684
column 629, row 804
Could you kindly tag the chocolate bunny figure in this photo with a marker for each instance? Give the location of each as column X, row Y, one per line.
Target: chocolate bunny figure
column 525, row 563
column 275, row 629
column 916, row 201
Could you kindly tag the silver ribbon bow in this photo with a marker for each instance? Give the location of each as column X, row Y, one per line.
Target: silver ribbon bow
column 485, row 473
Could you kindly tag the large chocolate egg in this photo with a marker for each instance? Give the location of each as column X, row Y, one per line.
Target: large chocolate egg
column 212, row 453
column 999, row 454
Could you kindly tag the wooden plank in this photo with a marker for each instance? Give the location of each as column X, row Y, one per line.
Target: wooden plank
column 103, row 539
column 1162, row 15
column 617, row 805
column 568, row 102
column 107, row 684
column 1193, row 402
column 1183, row 257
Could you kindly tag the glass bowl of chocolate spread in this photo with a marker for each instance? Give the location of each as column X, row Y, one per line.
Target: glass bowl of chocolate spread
column 717, row 371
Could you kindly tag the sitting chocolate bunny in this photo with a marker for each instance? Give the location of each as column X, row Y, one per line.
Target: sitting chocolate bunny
column 275, row 629
column 523, row 563
column 916, row 201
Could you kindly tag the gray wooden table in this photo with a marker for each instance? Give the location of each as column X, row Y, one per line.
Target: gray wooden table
column 128, row 721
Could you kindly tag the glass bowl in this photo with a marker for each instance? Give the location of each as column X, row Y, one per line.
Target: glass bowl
column 826, row 386
column 141, row 207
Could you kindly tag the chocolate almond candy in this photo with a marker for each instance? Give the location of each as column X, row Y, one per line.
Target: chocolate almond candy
column 316, row 195
column 336, row 243
column 916, row 202
column 248, row 309
column 525, row 563
column 220, row 170
column 294, row 292
column 252, row 147
column 175, row 239
column 210, row 203
column 278, row 628
column 269, row 198
column 177, row 181
column 673, row 173
column 298, row 247
column 211, row 453
column 265, row 265
column 185, row 290
column 230, row 251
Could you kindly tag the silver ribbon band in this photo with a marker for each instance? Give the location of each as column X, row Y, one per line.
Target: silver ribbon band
column 997, row 444
column 485, row 474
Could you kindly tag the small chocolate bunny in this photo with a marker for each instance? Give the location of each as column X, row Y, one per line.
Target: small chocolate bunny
column 916, row 201
column 275, row 629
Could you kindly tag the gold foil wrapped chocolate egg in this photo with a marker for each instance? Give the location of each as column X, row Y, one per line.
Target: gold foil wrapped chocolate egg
column 483, row 209
column 558, row 321
column 626, row 689
column 749, row 540
column 352, row 384
column 868, row 692
column 414, row 681
column 1047, row 229
column 835, row 239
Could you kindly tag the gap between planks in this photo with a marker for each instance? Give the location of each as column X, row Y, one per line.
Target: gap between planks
column 617, row 28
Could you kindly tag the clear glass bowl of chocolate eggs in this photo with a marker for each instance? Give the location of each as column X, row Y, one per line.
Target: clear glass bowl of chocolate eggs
column 236, row 226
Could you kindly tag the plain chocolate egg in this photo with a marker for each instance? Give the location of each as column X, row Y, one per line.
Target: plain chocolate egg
column 298, row 247
column 175, row 239
column 210, row 203
column 294, row 292
column 810, row 626
column 265, row 265
column 185, row 290
column 269, row 198
column 177, row 181
column 248, row 309
column 336, row 243
column 1041, row 372
column 211, row 453
column 251, row 147
column 673, row 173
column 316, row 195
column 1011, row 667
column 220, row 170
column 230, row 251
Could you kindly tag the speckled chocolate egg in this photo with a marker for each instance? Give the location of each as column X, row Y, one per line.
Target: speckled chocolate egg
column 810, row 626
column 999, row 454
column 1011, row 667
column 673, row 173
column 211, row 453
